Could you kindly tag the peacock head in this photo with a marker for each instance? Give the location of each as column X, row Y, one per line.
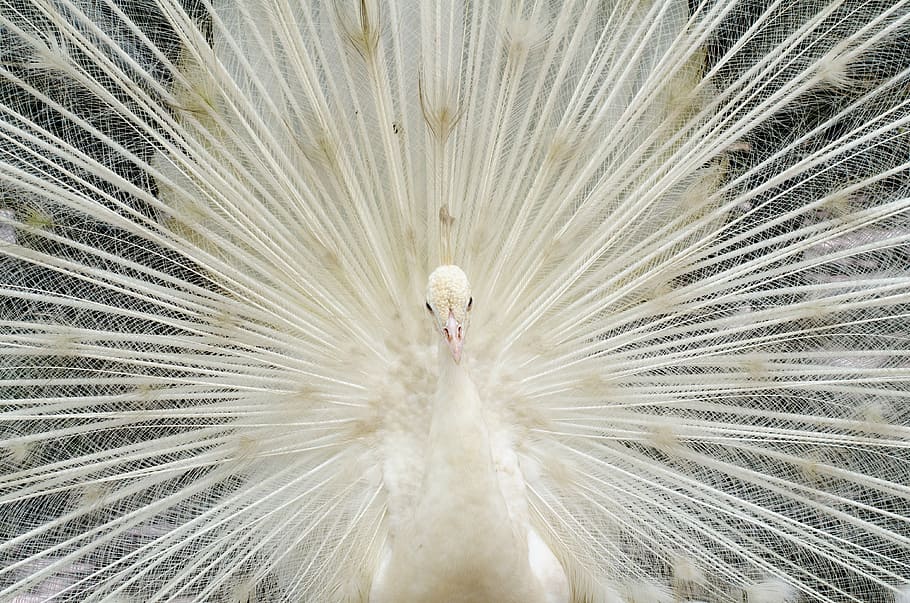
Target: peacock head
column 449, row 301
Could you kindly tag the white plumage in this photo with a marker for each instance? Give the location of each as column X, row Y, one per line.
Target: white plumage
column 466, row 535
column 685, row 227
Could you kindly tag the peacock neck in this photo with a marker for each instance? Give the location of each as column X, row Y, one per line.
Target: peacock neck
column 452, row 376
column 458, row 426
column 460, row 476
column 460, row 544
column 465, row 545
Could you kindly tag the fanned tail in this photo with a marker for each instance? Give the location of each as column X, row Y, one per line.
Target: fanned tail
column 687, row 234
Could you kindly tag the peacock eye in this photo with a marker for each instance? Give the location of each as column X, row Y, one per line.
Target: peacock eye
column 470, row 302
column 429, row 307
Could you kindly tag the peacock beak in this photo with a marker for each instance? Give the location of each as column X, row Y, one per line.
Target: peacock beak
column 454, row 334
